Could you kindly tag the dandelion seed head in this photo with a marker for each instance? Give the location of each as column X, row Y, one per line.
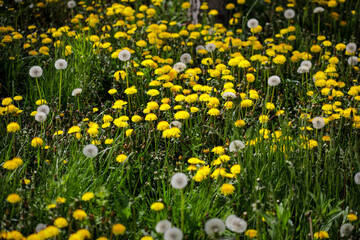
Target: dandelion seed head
column 124, row 55
column 318, row 122
column 274, row 80
column 346, row 229
column 318, row 10
column 176, row 124
column 210, row 47
column 214, row 226
column 71, row 4
column 40, row 227
column 179, row 180
column 226, row 95
column 60, row 64
column 303, row 69
column 306, row 63
column 236, row 146
column 236, row 224
column 35, row 71
column 173, row 234
column 351, row 48
column 163, row 226
column 353, row 60
column 199, row 47
column 40, row 117
column 252, row 23
column 289, row 14
column 185, row 58
column 76, row 92
column 43, row 108
column 179, row 67
column 90, row 151
column 357, row 178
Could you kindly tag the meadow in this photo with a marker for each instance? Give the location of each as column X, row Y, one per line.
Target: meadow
column 128, row 120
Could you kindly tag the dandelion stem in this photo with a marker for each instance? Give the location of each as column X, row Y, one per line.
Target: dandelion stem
column 60, row 90
column 38, row 87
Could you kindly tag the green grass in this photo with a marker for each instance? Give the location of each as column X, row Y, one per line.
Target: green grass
column 295, row 180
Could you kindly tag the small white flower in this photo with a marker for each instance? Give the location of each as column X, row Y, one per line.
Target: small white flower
column 185, row 58
column 43, row 108
column 163, row 226
column 210, row 47
column 357, row 178
column 173, row 234
column 226, row 95
column 214, row 227
column 236, row 146
column 236, row 224
column 318, row 10
column 351, row 48
column 60, row 64
column 179, row 180
column 76, row 92
column 353, row 60
column 289, row 14
column 71, row 4
column 274, row 80
column 306, row 63
column 90, row 151
column 179, row 67
column 252, row 23
column 303, row 69
column 124, row 55
column 318, row 122
column 40, row 117
column 35, row 71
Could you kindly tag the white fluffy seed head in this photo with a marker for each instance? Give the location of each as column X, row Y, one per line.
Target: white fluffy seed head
column 90, row 151
column 176, row 124
column 179, row 180
column 185, row 58
column 173, row 234
column 236, row 224
column 274, row 80
column 40, row 117
column 35, row 71
column 289, row 14
column 252, row 23
column 210, row 47
column 124, row 55
column 318, row 122
column 60, row 64
column 163, row 226
column 76, row 92
column 306, row 63
column 303, row 69
column 353, row 60
column 227, row 95
column 71, row 4
column 236, row 146
column 43, row 108
column 357, row 178
column 351, row 48
column 179, row 67
column 318, row 10
column 214, row 227
column 346, row 229
column 199, row 47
